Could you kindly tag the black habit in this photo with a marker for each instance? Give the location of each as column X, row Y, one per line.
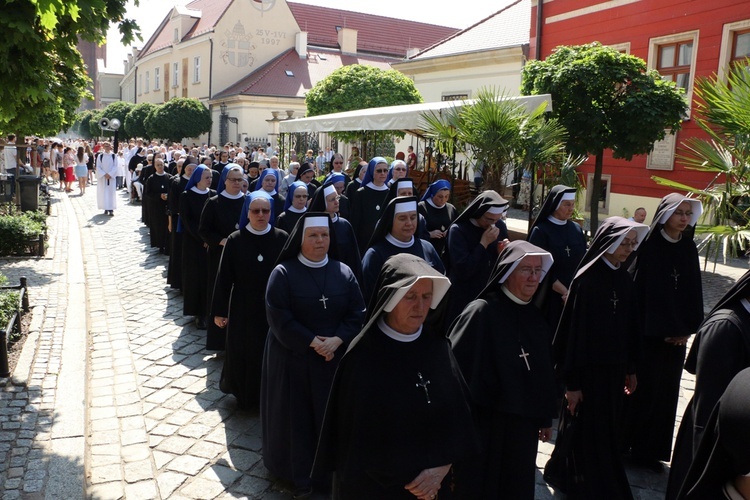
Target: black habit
column 194, row 254
column 367, row 206
column 246, row 263
column 218, row 220
column 395, row 408
column 437, row 218
column 156, row 185
column 174, row 268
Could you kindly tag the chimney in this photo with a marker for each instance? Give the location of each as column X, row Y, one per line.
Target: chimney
column 348, row 41
column 411, row 52
column 300, row 44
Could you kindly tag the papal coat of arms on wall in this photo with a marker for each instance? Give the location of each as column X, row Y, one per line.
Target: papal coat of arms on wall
column 237, row 47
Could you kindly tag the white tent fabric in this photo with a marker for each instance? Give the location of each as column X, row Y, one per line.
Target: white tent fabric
column 406, row 117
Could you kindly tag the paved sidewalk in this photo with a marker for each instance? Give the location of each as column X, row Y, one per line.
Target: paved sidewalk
column 115, row 397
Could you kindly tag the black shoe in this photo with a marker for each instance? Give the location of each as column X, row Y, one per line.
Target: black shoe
column 200, row 322
column 111, row 213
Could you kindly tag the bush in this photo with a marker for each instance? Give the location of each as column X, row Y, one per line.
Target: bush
column 19, row 232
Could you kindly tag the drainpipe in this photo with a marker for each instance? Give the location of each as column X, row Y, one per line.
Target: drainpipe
column 539, row 17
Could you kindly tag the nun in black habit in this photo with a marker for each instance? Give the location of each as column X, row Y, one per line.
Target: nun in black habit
column 397, row 416
column 405, row 187
column 502, row 344
column 555, row 232
column 595, row 352
column 156, row 189
column 394, row 234
column 269, row 181
column 176, row 188
column 350, row 191
column 238, row 302
column 369, row 202
column 475, row 239
column 295, row 205
column 306, row 175
column 194, row 253
column 438, row 213
column 327, row 200
column 670, row 308
column 721, row 467
column 339, row 182
column 720, row 350
column 314, row 309
column 219, row 220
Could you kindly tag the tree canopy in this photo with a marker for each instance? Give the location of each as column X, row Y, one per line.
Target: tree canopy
column 119, row 110
column 606, row 100
column 135, row 122
column 359, row 87
column 41, row 69
column 178, row 118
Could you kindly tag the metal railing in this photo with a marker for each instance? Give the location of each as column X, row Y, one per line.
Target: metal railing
column 14, row 323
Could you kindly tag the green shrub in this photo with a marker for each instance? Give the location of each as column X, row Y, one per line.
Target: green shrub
column 18, row 230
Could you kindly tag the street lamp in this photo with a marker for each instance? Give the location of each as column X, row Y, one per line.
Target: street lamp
column 223, row 107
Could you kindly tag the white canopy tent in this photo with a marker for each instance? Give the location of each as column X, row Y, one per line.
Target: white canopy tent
column 406, row 118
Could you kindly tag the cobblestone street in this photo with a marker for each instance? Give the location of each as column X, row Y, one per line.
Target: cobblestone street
column 114, row 395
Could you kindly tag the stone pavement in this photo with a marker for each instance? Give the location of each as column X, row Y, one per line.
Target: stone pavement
column 114, row 395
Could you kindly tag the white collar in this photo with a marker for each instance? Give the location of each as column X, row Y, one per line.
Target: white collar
column 335, row 218
column 746, row 304
column 371, row 185
column 669, row 238
column 250, row 228
column 512, row 297
column 429, row 200
column 399, row 337
column 310, row 263
column 555, row 220
column 612, row 266
column 232, row 196
column 474, row 221
column 398, row 243
column 297, row 210
column 157, row 173
column 196, row 190
column 185, row 176
column 731, row 492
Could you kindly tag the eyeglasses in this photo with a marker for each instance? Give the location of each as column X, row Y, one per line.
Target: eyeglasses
column 258, row 211
column 399, row 169
column 629, row 243
column 239, row 179
column 680, row 213
column 527, row 272
column 331, row 200
column 381, row 170
column 301, row 196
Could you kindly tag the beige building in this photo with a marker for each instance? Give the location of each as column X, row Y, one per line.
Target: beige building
column 252, row 61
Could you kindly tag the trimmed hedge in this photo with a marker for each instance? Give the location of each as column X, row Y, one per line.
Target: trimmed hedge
column 20, row 232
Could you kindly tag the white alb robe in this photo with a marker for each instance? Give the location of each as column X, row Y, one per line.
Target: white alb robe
column 106, row 188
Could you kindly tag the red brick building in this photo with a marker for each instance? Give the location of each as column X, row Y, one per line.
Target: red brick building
column 682, row 39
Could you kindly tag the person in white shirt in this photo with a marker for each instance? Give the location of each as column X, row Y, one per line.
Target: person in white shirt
column 106, row 171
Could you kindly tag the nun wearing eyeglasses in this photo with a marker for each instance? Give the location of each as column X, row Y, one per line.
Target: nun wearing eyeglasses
column 670, row 309
column 194, row 253
column 238, row 306
column 438, row 213
column 295, row 205
column 269, row 181
column 555, row 232
column 502, row 344
column 369, row 202
column 404, row 186
column 595, row 350
column 394, row 234
column 314, row 309
column 397, row 417
column 475, row 239
column 339, row 181
column 327, row 199
column 398, row 170
column 219, row 219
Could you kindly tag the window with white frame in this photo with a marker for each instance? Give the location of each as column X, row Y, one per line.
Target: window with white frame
column 176, row 36
column 674, row 57
column 197, row 69
column 621, row 47
column 146, row 88
column 602, row 196
column 140, row 84
column 157, row 78
column 175, row 74
column 735, row 46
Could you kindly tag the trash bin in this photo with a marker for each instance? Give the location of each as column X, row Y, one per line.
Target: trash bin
column 28, row 187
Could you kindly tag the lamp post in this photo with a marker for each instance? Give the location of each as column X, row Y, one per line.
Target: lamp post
column 223, row 124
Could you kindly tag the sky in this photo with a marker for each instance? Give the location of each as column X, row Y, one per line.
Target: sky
column 150, row 13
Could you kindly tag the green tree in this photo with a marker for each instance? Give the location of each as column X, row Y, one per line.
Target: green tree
column 94, row 129
column 43, row 75
column 360, row 87
column 178, row 118
column 723, row 112
column 119, row 110
column 81, row 125
column 606, row 100
column 135, row 121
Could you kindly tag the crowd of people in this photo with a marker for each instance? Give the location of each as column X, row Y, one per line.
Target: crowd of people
column 398, row 348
